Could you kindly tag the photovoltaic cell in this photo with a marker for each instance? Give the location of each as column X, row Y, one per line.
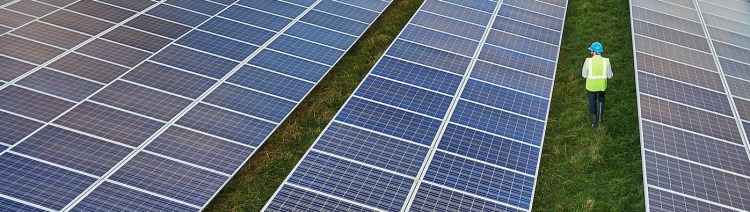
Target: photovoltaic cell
column 436, row 114
column 101, row 199
column 169, row 178
column 14, row 128
column 73, row 150
column 692, row 96
column 39, row 183
column 147, row 105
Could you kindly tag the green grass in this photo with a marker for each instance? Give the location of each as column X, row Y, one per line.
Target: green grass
column 584, row 169
column 256, row 181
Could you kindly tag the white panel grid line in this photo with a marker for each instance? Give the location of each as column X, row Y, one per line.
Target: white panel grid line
column 327, row 195
column 351, row 5
column 687, row 105
column 411, row 85
column 728, row 94
column 688, row 196
column 549, row 104
column 52, row 164
column 286, row 180
column 378, row 133
column 515, row 69
column 700, row 164
column 724, row 81
column 439, row 49
column 638, row 99
column 672, row 43
column 474, row 195
column 347, row 18
column 671, row 60
column 213, row 136
column 512, row 89
column 486, row 164
column 469, row 8
column 187, row 163
column 361, row 163
column 674, row 80
column 9, row 3
column 667, row 14
column 26, row 203
column 44, row 93
column 446, row 119
column 448, row 17
column 421, row 64
column 335, row 30
column 668, row 27
column 184, row 111
column 152, row 193
column 395, row 107
column 441, row 31
column 691, row 132
column 535, row 12
column 504, row 110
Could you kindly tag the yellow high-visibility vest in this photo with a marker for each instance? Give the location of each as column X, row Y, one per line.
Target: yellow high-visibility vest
column 597, row 77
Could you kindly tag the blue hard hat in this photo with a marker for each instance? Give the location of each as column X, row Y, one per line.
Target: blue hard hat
column 597, row 47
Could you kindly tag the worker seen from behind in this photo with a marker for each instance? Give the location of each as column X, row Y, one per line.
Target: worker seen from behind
column 596, row 70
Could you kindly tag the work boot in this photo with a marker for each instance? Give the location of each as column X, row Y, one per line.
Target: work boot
column 593, row 121
column 601, row 112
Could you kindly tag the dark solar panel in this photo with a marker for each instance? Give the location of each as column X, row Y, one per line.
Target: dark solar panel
column 451, row 118
column 144, row 105
column 692, row 65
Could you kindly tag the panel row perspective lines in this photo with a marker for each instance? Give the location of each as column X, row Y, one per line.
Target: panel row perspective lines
column 694, row 100
column 451, row 118
column 145, row 105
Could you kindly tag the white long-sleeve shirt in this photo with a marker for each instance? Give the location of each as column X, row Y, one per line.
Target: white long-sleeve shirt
column 585, row 69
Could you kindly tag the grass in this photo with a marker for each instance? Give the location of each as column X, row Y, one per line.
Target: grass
column 584, row 169
column 259, row 178
column 581, row 170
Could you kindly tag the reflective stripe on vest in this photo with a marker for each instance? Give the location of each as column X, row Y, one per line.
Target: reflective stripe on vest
column 603, row 75
column 597, row 76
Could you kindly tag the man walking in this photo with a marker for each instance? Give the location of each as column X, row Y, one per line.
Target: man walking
column 596, row 70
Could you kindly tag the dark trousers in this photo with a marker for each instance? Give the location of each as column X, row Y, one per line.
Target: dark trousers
column 594, row 97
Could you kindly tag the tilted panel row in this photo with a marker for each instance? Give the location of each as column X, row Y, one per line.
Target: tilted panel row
column 691, row 65
column 466, row 85
column 146, row 105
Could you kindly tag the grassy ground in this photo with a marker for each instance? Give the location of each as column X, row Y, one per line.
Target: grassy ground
column 584, row 169
column 254, row 184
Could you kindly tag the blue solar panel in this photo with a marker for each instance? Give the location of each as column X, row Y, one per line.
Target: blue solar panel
column 146, row 105
column 691, row 69
column 451, row 118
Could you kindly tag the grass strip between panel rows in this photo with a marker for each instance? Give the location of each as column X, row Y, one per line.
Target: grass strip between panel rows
column 259, row 178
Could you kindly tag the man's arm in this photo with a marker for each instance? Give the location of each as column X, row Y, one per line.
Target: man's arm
column 584, row 70
column 609, row 72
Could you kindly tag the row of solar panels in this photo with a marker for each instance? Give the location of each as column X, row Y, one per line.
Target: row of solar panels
column 693, row 80
column 451, row 118
column 153, row 105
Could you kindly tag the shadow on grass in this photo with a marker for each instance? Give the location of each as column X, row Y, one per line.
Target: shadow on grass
column 259, row 178
column 584, row 169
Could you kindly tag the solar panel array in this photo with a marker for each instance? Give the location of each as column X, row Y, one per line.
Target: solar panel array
column 153, row 105
column 451, row 118
column 693, row 80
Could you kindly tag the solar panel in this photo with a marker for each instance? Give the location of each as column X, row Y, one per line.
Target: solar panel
column 153, row 105
column 451, row 118
column 692, row 75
